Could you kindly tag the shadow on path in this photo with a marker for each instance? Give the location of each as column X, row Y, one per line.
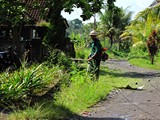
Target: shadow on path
column 130, row 74
column 94, row 118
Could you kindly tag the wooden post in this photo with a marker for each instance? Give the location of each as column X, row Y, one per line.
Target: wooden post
column 36, row 50
column 16, row 40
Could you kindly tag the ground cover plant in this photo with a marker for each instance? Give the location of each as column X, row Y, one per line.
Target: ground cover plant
column 77, row 96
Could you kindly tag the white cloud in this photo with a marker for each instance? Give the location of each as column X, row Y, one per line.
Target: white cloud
column 75, row 14
column 134, row 5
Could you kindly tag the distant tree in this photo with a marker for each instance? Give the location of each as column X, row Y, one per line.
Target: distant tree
column 76, row 23
column 144, row 23
column 75, row 26
column 86, row 30
column 113, row 21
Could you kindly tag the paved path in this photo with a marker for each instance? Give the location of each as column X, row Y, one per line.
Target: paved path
column 128, row 104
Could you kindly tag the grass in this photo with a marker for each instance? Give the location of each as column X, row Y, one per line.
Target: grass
column 79, row 96
column 76, row 98
column 44, row 111
column 145, row 63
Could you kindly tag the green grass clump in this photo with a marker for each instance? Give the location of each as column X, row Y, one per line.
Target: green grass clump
column 44, row 111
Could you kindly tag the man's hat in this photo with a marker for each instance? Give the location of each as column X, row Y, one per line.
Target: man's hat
column 93, row 32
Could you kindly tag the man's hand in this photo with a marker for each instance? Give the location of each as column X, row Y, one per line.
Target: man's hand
column 89, row 59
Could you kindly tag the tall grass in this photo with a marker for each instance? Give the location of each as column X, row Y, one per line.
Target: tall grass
column 44, row 111
column 82, row 95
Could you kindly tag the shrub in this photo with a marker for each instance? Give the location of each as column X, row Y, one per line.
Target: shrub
column 57, row 57
column 139, row 50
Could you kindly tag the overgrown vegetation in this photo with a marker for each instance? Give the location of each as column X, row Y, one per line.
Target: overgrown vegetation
column 18, row 89
column 139, row 32
column 146, row 62
column 60, row 87
column 77, row 97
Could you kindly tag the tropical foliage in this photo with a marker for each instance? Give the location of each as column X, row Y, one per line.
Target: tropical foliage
column 144, row 23
column 113, row 22
column 65, row 87
column 140, row 30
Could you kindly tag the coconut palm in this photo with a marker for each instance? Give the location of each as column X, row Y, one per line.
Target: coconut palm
column 144, row 22
column 113, row 22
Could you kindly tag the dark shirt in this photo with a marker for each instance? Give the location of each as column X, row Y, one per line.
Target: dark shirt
column 96, row 49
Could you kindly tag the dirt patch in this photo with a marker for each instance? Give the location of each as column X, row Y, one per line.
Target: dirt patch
column 127, row 104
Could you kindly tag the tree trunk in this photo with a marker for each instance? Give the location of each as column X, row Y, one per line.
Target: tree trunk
column 16, row 40
column 119, row 44
column 111, row 41
column 57, row 32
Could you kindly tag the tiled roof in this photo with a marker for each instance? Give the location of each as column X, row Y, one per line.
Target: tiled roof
column 34, row 8
column 33, row 12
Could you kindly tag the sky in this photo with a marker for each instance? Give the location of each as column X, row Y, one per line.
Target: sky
column 133, row 5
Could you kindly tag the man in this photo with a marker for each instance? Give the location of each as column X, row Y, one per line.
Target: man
column 94, row 58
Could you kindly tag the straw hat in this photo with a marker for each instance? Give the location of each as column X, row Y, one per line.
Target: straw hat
column 93, row 32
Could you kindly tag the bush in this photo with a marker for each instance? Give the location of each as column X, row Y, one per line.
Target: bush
column 139, row 46
column 57, row 57
column 139, row 50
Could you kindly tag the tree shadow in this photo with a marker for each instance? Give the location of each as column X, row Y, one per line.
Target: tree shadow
column 130, row 74
column 96, row 118
column 62, row 112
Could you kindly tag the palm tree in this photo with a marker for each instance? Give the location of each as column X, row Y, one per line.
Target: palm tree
column 113, row 22
column 144, row 23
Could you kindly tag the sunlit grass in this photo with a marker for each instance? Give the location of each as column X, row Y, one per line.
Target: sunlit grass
column 18, row 87
column 80, row 96
column 145, row 63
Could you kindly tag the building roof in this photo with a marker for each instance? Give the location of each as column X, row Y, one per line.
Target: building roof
column 33, row 12
column 34, row 9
